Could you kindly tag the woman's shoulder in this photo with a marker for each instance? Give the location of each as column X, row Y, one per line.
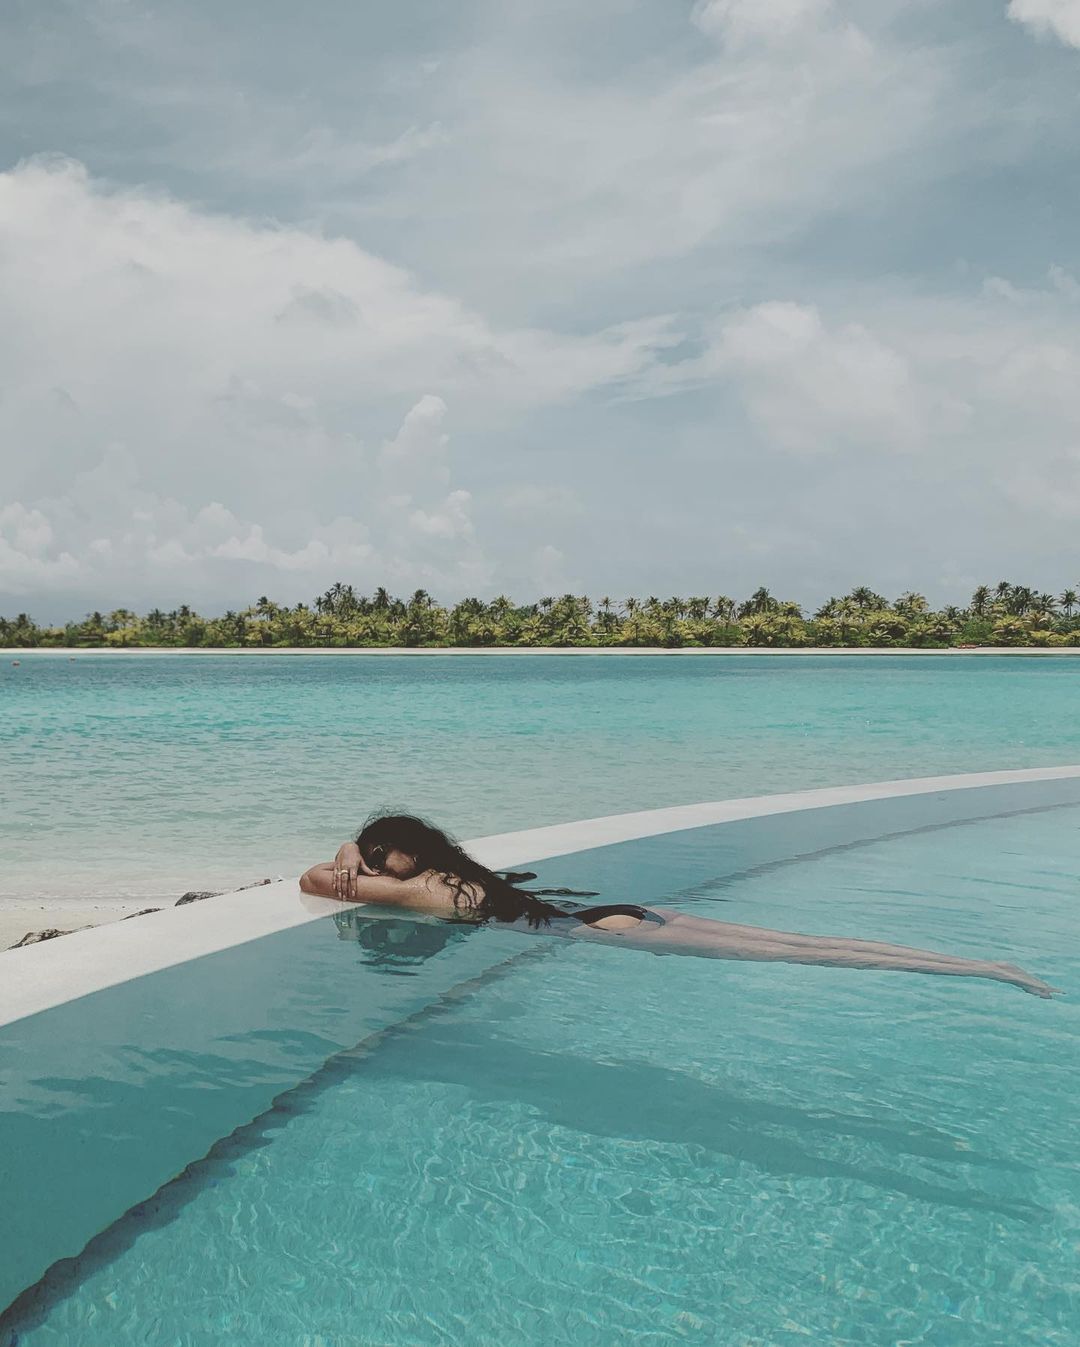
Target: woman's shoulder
column 449, row 887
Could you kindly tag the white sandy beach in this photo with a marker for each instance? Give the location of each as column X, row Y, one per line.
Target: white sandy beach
column 19, row 915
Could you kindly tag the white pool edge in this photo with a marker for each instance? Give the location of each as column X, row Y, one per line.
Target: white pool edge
column 40, row 977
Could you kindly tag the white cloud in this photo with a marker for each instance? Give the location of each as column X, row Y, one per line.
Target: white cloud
column 334, row 157
column 535, row 500
column 120, row 297
column 25, row 570
column 805, row 383
column 508, row 164
column 985, row 386
column 800, row 197
column 550, row 183
column 417, row 453
column 548, row 570
column 26, row 530
column 1061, row 18
column 450, row 519
column 770, row 19
column 424, row 537
column 198, row 391
column 814, row 389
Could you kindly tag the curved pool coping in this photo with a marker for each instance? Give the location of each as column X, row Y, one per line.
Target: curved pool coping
column 39, row 977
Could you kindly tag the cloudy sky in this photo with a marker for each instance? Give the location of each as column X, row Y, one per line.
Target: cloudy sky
column 627, row 297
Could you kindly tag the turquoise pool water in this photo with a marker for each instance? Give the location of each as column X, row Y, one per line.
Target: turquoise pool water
column 594, row 1146
column 145, row 776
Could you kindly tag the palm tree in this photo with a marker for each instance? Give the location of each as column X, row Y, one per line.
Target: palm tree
column 1020, row 600
column 864, row 597
column 761, row 601
column 911, row 604
column 341, row 617
column 605, row 618
column 980, row 601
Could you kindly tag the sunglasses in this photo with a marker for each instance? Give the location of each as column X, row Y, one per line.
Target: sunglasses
column 375, row 856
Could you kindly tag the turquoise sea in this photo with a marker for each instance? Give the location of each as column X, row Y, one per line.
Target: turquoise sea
column 144, row 775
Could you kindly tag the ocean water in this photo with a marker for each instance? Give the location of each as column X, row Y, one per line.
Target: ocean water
column 141, row 776
column 598, row 1147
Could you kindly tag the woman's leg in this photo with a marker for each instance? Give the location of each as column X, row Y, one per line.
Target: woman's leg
column 795, row 941
column 721, row 940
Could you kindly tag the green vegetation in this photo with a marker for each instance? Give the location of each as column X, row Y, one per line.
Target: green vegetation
column 1001, row 615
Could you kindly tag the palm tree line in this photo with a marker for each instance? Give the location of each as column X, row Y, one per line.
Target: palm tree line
column 997, row 615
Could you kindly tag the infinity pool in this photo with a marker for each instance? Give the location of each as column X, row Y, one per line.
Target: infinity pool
column 583, row 1145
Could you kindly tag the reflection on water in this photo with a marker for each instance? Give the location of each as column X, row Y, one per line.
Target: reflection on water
column 399, row 944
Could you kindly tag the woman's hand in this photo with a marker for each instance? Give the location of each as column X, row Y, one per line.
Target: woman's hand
column 347, row 864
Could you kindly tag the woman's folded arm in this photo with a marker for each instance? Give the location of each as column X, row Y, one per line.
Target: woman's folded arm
column 427, row 892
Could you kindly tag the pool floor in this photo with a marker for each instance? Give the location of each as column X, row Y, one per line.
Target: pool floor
column 601, row 1147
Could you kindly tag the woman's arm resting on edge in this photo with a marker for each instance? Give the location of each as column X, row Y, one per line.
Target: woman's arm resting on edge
column 323, row 881
column 338, row 878
column 422, row 893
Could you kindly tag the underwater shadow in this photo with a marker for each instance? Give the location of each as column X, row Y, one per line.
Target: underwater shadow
column 627, row 1100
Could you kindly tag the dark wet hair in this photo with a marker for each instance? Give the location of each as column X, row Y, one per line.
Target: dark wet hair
column 479, row 893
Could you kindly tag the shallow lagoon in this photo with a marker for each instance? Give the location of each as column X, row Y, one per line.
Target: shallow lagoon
column 144, row 776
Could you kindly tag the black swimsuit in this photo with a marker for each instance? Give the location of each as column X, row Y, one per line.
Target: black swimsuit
column 590, row 915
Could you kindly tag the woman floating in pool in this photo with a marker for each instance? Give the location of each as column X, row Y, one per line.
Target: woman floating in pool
column 404, row 862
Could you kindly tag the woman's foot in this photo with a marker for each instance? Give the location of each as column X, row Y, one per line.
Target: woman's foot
column 1018, row 977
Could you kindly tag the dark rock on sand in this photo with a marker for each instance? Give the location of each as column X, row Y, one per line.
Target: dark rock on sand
column 36, row 937
column 193, row 896
column 197, row 895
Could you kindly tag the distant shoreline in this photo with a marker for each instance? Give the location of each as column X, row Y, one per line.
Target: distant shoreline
column 1022, row 652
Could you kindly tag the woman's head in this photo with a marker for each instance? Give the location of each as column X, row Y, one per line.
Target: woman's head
column 402, row 845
